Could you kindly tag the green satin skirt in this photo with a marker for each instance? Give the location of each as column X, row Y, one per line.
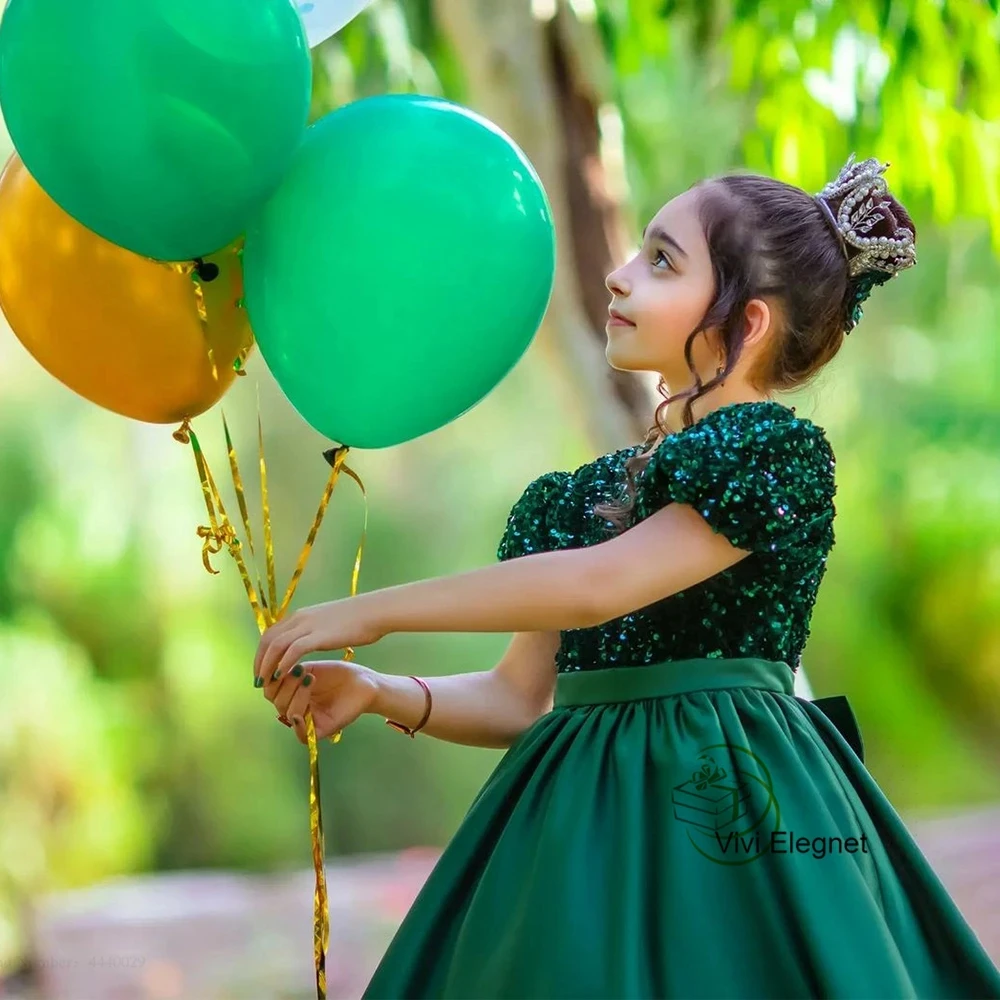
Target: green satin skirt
column 689, row 829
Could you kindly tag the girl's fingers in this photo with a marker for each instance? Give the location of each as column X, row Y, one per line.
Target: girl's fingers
column 325, row 725
column 296, row 711
column 273, row 645
column 266, row 641
column 271, row 690
column 327, row 728
column 293, row 652
column 284, row 690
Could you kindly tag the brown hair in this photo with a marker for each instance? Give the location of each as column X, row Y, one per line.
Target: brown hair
column 767, row 239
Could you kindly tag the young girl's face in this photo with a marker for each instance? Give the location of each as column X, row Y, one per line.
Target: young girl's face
column 661, row 295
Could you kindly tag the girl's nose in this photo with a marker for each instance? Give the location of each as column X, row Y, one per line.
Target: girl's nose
column 616, row 284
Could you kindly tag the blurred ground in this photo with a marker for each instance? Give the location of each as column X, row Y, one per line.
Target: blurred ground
column 227, row 936
column 218, row 935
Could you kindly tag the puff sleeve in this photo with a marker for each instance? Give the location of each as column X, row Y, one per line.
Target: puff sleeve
column 528, row 525
column 758, row 475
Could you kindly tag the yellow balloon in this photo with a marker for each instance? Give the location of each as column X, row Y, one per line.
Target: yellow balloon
column 139, row 337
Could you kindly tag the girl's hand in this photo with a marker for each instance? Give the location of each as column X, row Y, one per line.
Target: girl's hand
column 336, row 625
column 336, row 692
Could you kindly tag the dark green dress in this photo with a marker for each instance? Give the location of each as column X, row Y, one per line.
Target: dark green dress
column 681, row 825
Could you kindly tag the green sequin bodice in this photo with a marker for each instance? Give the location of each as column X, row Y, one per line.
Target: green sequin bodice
column 759, row 475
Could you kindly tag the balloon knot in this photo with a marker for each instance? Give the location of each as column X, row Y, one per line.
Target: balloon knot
column 206, row 270
column 331, row 454
column 183, row 433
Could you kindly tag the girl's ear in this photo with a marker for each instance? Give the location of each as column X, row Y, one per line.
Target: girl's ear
column 758, row 317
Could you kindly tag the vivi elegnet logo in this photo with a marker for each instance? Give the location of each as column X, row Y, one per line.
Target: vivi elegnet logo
column 730, row 811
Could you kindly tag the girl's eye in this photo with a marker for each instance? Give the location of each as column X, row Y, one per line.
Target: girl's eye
column 662, row 261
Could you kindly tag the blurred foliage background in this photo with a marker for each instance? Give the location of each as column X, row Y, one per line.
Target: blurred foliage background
column 131, row 737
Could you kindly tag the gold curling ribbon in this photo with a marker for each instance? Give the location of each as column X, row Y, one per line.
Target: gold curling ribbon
column 202, row 309
column 361, row 545
column 272, row 595
column 220, row 533
column 241, row 502
column 214, row 540
column 190, row 269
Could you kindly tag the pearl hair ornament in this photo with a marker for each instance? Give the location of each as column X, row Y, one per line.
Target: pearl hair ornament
column 864, row 205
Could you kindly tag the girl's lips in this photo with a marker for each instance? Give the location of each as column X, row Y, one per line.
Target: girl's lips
column 617, row 319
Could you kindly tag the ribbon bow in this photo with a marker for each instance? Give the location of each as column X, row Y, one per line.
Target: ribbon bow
column 708, row 774
column 213, row 540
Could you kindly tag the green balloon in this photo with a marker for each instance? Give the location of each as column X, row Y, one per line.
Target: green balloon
column 400, row 270
column 161, row 125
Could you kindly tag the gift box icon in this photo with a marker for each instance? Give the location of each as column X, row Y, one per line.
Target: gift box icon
column 711, row 798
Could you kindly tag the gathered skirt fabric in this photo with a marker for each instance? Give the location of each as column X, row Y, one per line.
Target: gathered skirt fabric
column 688, row 829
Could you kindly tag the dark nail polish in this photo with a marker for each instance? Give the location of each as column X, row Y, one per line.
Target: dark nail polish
column 284, row 721
column 307, row 680
column 258, row 682
column 297, row 670
column 277, row 674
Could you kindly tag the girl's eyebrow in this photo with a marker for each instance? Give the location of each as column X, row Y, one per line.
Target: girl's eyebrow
column 661, row 234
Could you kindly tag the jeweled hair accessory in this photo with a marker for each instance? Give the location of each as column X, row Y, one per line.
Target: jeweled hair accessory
column 865, row 204
column 863, row 207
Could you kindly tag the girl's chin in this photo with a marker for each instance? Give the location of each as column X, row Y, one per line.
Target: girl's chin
column 622, row 361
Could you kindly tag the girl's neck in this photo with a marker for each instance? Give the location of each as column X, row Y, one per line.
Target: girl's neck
column 672, row 418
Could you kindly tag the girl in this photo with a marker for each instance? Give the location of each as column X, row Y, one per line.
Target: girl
column 670, row 820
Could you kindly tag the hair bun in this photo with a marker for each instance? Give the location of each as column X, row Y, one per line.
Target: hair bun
column 875, row 231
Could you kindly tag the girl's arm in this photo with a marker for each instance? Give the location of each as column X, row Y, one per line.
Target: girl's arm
column 669, row 551
column 490, row 708
column 536, row 596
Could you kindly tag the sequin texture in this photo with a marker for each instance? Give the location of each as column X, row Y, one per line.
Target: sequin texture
column 757, row 474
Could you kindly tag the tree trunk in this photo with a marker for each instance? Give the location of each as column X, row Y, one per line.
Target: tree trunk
column 539, row 80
